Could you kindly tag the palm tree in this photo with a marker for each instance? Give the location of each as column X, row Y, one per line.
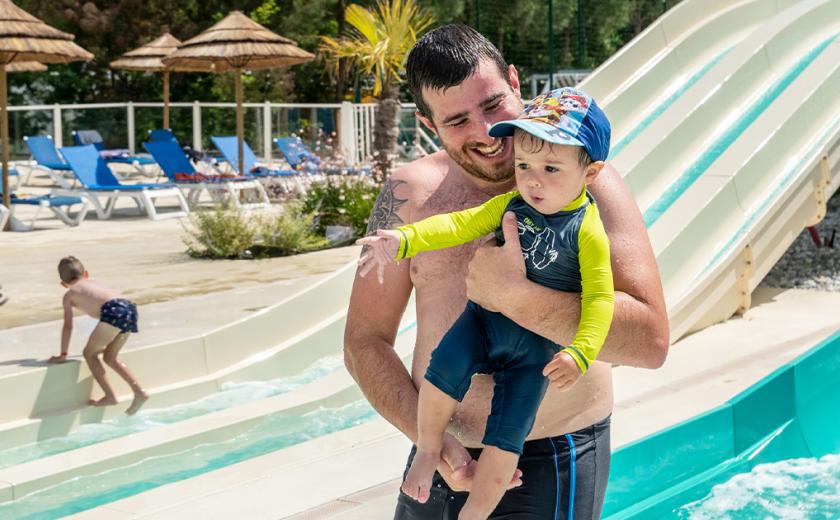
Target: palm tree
column 377, row 44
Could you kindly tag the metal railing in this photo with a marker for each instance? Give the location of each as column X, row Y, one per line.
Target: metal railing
column 347, row 126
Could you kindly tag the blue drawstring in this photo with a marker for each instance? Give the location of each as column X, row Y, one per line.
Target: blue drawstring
column 572, row 456
column 556, row 479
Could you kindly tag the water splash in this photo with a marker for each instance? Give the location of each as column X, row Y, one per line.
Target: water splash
column 793, row 489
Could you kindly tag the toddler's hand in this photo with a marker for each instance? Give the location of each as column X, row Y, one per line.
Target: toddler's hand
column 562, row 371
column 381, row 251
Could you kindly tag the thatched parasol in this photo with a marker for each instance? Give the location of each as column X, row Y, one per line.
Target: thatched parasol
column 25, row 38
column 26, row 66
column 237, row 43
column 148, row 59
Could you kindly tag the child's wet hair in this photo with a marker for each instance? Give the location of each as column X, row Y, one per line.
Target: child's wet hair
column 70, row 269
column 530, row 143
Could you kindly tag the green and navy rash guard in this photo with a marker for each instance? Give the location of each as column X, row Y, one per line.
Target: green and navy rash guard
column 568, row 251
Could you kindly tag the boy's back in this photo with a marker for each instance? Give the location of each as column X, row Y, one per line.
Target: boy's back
column 89, row 296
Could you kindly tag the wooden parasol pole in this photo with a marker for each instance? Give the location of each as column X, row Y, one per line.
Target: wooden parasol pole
column 4, row 134
column 240, row 120
column 166, row 99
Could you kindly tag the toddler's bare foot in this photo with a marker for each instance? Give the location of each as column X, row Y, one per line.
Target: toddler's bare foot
column 105, row 401
column 418, row 481
column 140, row 399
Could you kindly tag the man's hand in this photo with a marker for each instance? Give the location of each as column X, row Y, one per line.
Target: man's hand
column 562, row 371
column 457, row 467
column 494, row 268
column 381, row 251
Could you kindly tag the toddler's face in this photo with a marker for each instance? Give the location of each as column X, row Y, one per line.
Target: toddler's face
column 551, row 177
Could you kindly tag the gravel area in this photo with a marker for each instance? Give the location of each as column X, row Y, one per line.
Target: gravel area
column 805, row 266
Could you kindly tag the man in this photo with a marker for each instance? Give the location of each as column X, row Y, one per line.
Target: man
column 461, row 86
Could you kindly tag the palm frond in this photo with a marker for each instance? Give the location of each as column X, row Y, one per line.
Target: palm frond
column 380, row 40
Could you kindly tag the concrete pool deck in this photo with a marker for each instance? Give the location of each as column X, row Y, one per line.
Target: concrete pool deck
column 310, row 480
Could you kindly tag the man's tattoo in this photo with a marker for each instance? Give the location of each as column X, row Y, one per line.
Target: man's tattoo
column 384, row 213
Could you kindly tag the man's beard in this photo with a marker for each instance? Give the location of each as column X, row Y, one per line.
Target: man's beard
column 499, row 173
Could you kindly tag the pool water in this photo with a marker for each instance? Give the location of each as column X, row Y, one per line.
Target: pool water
column 232, row 394
column 804, row 488
column 271, row 433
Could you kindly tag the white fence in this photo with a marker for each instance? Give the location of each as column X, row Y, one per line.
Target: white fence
column 125, row 125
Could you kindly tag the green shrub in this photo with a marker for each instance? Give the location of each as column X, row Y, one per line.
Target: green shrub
column 219, row 233
column 289, row 232
column 341, row 201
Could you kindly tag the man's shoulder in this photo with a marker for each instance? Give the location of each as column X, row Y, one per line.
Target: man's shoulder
column 422, row 173
column 409, row 186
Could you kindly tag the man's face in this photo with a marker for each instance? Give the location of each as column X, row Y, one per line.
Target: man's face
column 462, row 115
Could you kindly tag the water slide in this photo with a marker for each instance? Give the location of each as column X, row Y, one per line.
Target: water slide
column 726, row 118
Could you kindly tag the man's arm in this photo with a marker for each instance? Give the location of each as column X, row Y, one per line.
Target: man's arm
column 66, row 329
column 373, row 319
column 639, row 332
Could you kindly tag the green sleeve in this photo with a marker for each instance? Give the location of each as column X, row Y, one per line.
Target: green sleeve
column 452, row 229
column 597, row 295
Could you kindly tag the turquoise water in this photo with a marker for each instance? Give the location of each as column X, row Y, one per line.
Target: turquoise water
column 232, row 394
column 271, row 433
column 805, row 488
column 722, row 143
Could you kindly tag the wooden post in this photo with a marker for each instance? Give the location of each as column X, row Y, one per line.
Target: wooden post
column 166, row 99
column 240, row 120
column 4, row 134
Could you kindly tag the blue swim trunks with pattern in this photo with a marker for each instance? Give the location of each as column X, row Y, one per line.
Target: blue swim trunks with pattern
column 120, row 313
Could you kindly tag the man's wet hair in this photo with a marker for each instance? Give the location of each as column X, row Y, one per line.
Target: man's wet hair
column 70, row 269
column 447, row 56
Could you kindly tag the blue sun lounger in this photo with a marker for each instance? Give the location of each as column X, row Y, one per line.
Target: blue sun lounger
column 301, row 158
column 119, row 156
column 97, row 180
column 59, row 205
column 164, row 134
column 161, row 134
column 179, row 170
column 43, row 151
column 228, row 147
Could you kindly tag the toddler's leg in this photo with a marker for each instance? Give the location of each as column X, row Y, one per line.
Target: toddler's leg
column 111, row 352
column 102, row 335
column 459, row 355
column 492, row 474
column 434, row 410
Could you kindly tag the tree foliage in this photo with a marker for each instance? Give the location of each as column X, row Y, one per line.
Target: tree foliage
column 108, row 28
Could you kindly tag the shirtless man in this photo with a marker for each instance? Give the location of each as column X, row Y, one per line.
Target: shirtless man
column 461, row 86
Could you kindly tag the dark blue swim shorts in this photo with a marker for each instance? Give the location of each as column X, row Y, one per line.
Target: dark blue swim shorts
column 120, row 313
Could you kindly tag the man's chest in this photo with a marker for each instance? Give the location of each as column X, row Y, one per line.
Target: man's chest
column 444, row 269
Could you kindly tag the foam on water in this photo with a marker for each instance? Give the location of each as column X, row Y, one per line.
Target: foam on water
column 792, row 489
column 271, row 433
column 232, row 394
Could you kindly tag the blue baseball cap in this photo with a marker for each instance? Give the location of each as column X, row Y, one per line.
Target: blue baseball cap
column 563, row 116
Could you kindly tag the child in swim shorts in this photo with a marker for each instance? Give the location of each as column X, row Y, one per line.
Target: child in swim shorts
column 117, row 319
column 561, row 141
